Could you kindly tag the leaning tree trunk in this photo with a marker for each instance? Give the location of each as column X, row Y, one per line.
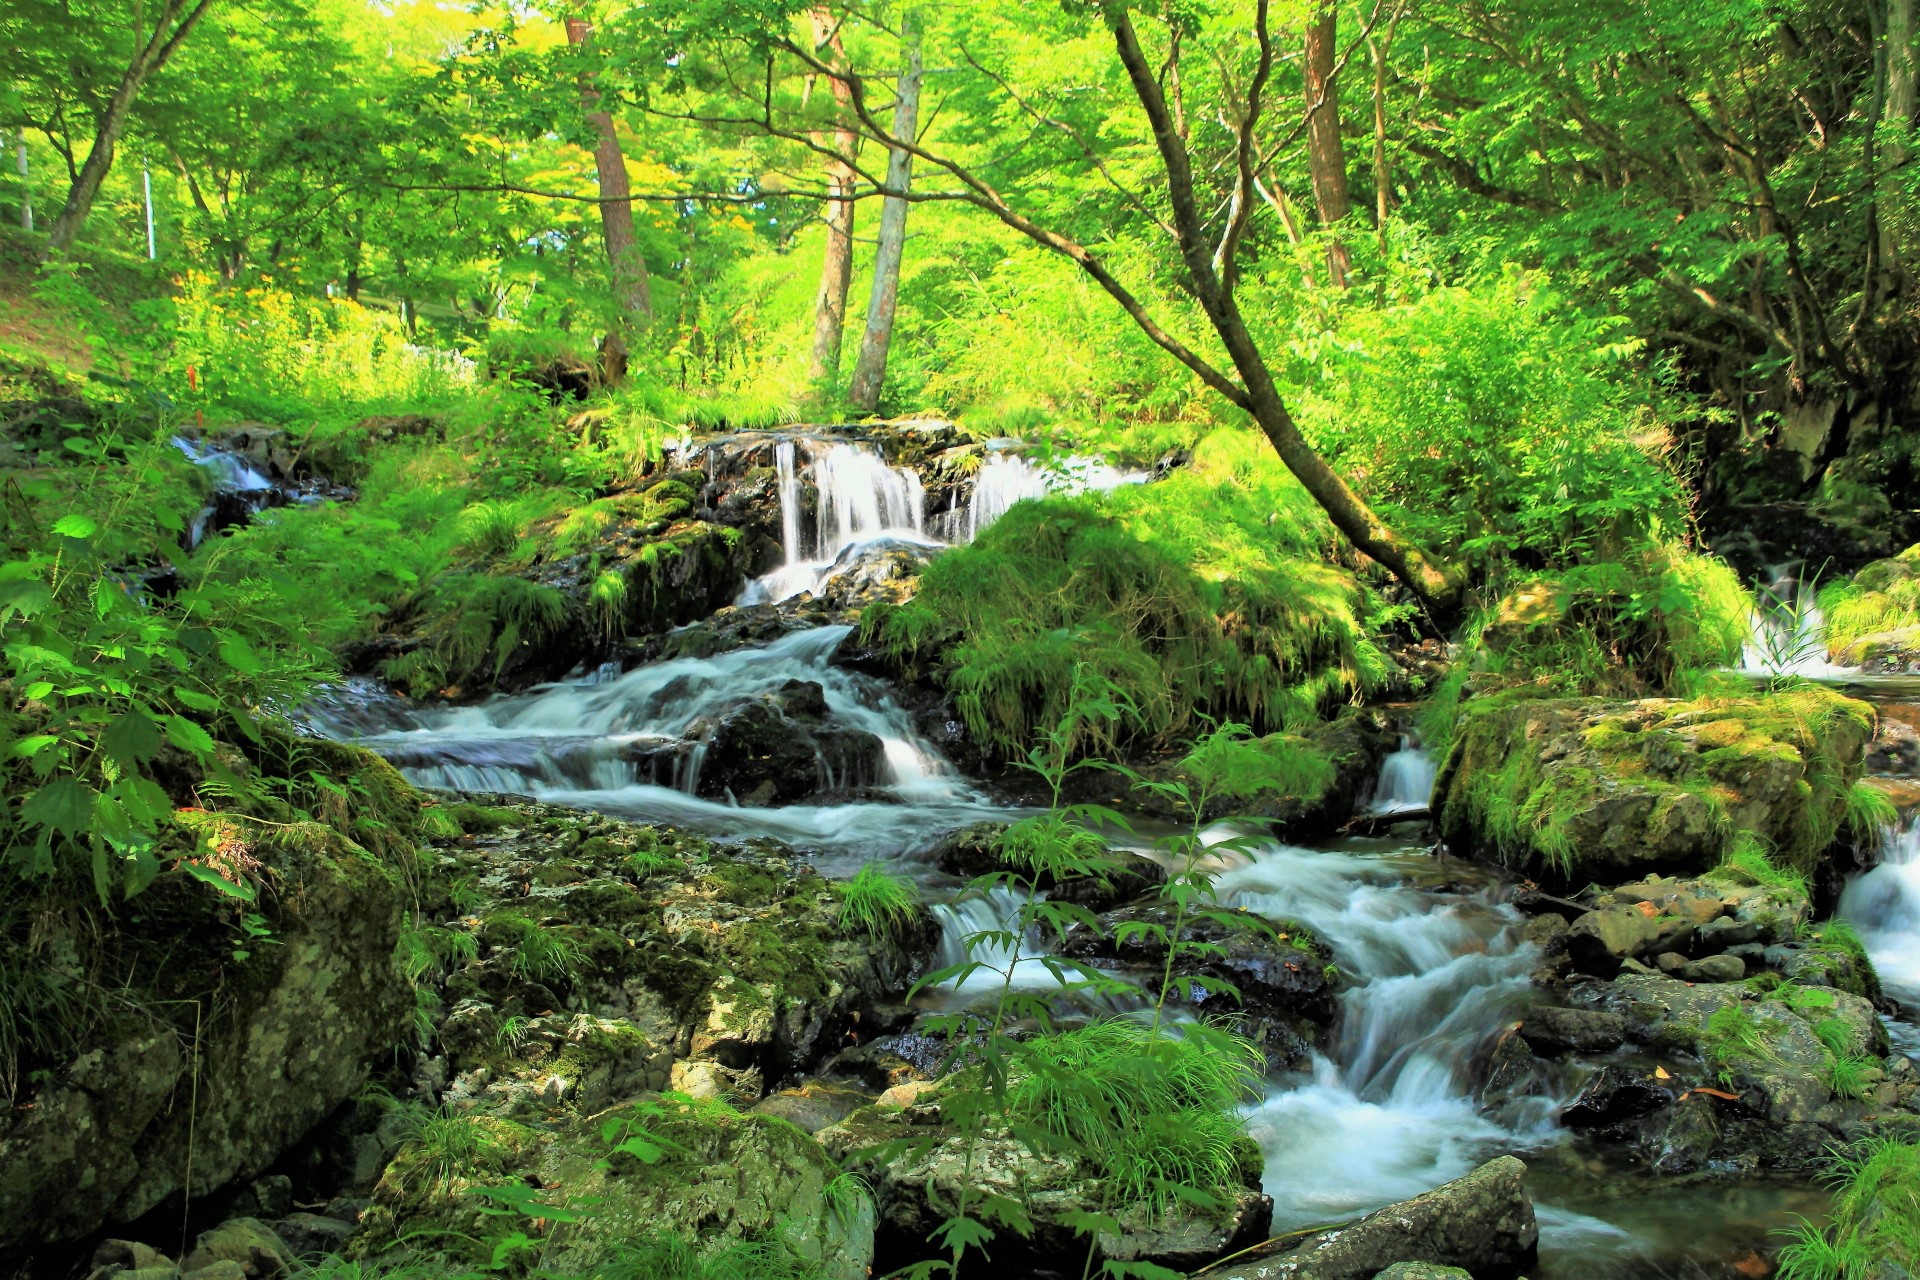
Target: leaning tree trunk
column 150, row 58
column 870, row 370
column 1326, row 159
column 836, row 269
column 626, row 268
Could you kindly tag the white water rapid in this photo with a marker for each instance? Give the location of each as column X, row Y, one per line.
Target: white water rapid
column 1883, row 905
column 1406, row 779
column 1787, row 633
column 633, row 747
column 1389, row 1110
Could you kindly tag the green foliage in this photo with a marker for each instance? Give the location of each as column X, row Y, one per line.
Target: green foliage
column 1204, row 592
column 877, row 902
column 1151, row 1110
column 471, row 624
column 1748, row 861
column 1883, row 596
column 1732, row 1037
column 1876, row 1216
column 535, row 952
column 1485, row 416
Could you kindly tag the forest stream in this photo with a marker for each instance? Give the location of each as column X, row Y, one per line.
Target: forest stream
column 1435, row 968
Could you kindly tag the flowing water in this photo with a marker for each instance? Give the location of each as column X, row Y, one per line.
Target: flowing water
column 1434, row 966
column 1406, row 780
column 1883, row 905
column 1787, row 633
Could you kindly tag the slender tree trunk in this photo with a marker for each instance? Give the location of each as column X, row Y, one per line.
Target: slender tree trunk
column 626, row 267
column 1903, row 78
column 172, row 26
column 26, row 180
column 870, row 370
column 1382, row 175
column 836, row 270
column 1326, row 158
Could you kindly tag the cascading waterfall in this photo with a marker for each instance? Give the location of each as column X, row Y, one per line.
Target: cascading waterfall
column 864, row 506
column 1406, row 779
column 867, row 507
column 230, row 474
column 1883, row 905
column 634, row 746
column 1389, row 1111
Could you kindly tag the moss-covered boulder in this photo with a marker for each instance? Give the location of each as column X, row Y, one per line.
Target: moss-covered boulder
column 231, row 1046
column 614, row 1192
column 920, row 1167
column 575, row 958
column 1587, row 789
column 1873, row 619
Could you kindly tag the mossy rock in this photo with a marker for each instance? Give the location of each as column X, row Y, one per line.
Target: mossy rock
column 665, row 1166
column 1586, row 789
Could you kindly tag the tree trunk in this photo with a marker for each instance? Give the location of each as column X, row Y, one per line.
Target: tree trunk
column 26, row 181
column 626, row 267
column 1326, row 159
column 149, row 59
column 836, row 270
column 870, row 370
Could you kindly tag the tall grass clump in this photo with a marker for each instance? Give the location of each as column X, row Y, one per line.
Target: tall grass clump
column 1205, row 592
column 877, row 903
column 1876, row 1217
column 1883, row 596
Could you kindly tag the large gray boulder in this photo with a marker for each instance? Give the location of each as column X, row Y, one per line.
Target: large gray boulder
column 1482, row 1223
column 147, row 1109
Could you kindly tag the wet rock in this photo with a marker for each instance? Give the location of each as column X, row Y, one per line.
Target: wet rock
column 974, row 851
column 1600, row 940
column 763, row 752
column 1715, row 969
column 1283, row 974
column 1554, row 1030
column 715, row 1173
column 1423, row 1271
column 1617, row 1093
column 310, row 1235
column 105, row 1139
column 1482, row 1223
column 1725, row 932
column 244, row 1243
column 814, row 1105
column 129, row 1255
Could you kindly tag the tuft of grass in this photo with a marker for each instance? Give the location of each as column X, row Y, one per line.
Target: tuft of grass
column 668, row 1256
column 1149, row 1110
column 1731, row 1035
column 448, row 1147
column 1876, row 1216
column 1870, row 815
column 536, row 953
column 877, row 902
column 1748, row 861
column 1204, row 593
column 651, row 862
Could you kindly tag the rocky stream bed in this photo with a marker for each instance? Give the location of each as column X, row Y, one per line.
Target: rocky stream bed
column 629, row 923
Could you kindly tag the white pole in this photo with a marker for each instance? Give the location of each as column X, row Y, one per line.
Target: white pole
column 146, row 179
column 26, row 190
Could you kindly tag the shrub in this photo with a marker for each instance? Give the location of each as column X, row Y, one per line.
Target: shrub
column 877, row 903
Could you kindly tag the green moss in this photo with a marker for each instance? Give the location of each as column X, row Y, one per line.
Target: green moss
column 1513, row 785
column 1883, row 596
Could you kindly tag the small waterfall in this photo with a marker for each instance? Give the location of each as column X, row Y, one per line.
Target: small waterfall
column 1883, row 905
column 230, row 472
column 1007, row 478
column 1787, row 634
column 1406, row 780
column 862, row 497
column 864, row 507
column 783, row 461
column 232, row 477
column 1435, row 978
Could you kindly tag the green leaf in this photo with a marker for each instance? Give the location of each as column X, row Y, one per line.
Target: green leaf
column 64, row 805
column 27, row 748
column 238, row 654
column 188, row 736
column 75, row 527
column 38, row 689
column 194, row 700
column 207, row 875
column 131, row 739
